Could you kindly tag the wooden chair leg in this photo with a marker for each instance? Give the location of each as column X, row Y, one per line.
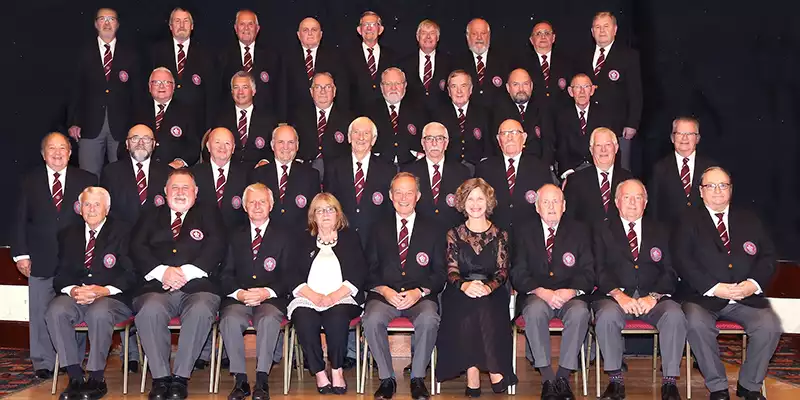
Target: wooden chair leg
column 125, row 346
column 514, row 335
column 583, row 370
column 358, row 359
column 655, row 356
column 597, row 364
column 144, row 373
column 289, row 338
column 218, row 372
column 433, row 369
column 688, row 371
column 55, row 376
column 362, row 378
column 744, row 348
column 212, row 366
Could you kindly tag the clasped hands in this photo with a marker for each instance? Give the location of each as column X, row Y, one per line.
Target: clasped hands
column 475, row 289
column 401, row 300
column 637, row 307
column 735, row 291
column 555, row 298
column 85, row 295
column 253, row 297
column 174, row 278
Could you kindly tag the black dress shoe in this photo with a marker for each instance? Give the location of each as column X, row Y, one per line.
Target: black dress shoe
column 669, row 391
column 261, row 392
column 719, row 395
column 178, row 389
column 327, row 389
column 340, row 390
column 563, row 389
column 73, row 390
column 614, row 391
column 160, row 389
column 470, row 392
column 748, row 394
column 44, row 374
column 240, row 391
column 200, row 364
column 94, row 389
column 418, row 389
column 133, row 366
column 549, row 391
column 349, row 363
column 386, row 390
column 502, row 386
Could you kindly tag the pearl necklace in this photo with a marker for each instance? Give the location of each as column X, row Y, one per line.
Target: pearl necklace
column 324, row 243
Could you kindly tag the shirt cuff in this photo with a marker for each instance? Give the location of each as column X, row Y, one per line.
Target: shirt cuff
column 234, row 294
column 157, row 273
column 710, row 292
column 296, row 290
column 619, row 288
column 20, row 258
column 353, row 289
column 192, row 272
column 579, row 292
column 67, row 290
column 758, row 287
column 567, row 173
column 424, row 291
column 272, row 293
column 181, row 160
column 112, row 290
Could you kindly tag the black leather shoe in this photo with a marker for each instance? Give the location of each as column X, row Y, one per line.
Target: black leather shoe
column 502, row 386
column 44, row 374
column 160, row 389
column 240, row 391
column 73, row 390
column 669, row 391
column 549, row 391
column 349, row 363
column 133, row 366
column 178, row 389
column 418, row 389
column 327, row 389
column 94, row 389
column 614, row 391
column 563, row 389
column 748, row 394
column 340, row 390
column 200, row 364
column 261, row 392
column 470, row 392
column 719, row 395
column 386, row 390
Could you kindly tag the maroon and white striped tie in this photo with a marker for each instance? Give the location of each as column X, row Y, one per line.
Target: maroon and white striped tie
column 284, row 180
column 548, row 245
column 521, row 113
column 242, row 127
column 436, row 183
column 427, row 73
column 511, row 176
column 723, row 232
column 248, row 60
column 176, row 225
column 583, row 122
column 371, row 63
column 88, row 256
column 546, row 71
column 220, row 188
column 359, row 182
column 256, row 243
column 309, row 64
column 402, row 243
column 58, row 191
column 686, row 179
column 462, row 120
column 633, row 241
column 322, row 123
column 141, row 184
column 159, row 116
column 107, row 62
column 605, row 190
column 181, row 60
column 481, row 68
column 393, row 116
column 600, row 61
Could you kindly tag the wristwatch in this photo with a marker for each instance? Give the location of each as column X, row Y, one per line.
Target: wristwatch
column 656, row 296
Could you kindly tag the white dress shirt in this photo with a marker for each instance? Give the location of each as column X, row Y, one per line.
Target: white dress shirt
column 422, row 64
column 155, row 106
column 248, row 117
column 484, row 58
column 396, row 108
column 364, row 165
column 252, row 47
column 263, row 228
column 463, row 108
column 546, row 233
column 409, row 225
column 600, row 176
column 313, row 55
column 177, row 49
column 597, row 53
column 190, row 271
column 145, row 168
column 637, row 228
column 102, row 46
column 215, row 170
column 279, row 169
column 516, row 162
column 524, row 106
column 327, row 112
column 541, row 61
column 585, row 111
column 111, row 289
column 431, row 170
column 679, row 161
column 725, row 213
column 376, row 53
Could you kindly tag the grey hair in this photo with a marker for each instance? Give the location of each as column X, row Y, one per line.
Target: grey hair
column 51, row 135
column 163, row 69
column 435, row 124
column 603, row 130
column 688, row 119
column 176, row 9
column 96, row 190
column 394, row 69
column 258, row 186
column 281, row 125
column 619, row 185
column 404, row 175
column 246, row 10
column 373, row 127
column 243, row 74
column 370, row 14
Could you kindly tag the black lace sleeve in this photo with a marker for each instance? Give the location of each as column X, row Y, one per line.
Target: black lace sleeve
column 453, row 273
column 501, row 275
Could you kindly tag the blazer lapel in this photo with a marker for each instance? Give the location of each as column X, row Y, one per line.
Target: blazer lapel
column 619, row 232
column 711, row 228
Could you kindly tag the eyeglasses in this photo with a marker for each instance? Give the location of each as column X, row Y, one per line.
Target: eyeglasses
column 686, row 134
column 370, row 24
column 581, row 87
column 392, row 84
column 715, row 186
column 514, row 132
column 543, row 33
column 106, row 18
column 327, row 87
column 434, row 139
column 326, row 210
column 141, row 139
column 161, row 83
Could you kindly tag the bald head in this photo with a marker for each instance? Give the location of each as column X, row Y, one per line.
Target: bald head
column 511, row 137
column 631, row 199
column 309, row 32
column 140, row 142
column 285, row 143
column 550, row 204
column 519, row 86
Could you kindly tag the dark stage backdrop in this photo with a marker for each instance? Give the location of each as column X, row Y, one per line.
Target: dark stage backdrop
column 733, row 64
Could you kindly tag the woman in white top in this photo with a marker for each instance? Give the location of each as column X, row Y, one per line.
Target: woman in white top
column 327, row 292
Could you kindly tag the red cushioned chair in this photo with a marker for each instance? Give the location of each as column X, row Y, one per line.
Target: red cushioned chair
column 725, row 328
column 286, row 361
column 632, row 327
column 122, row 326
column 397, row 325
column 175, row 325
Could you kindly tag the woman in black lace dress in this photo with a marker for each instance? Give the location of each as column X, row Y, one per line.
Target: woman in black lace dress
column 475, row 329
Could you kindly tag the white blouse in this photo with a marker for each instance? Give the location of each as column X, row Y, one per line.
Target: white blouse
column 325, row 277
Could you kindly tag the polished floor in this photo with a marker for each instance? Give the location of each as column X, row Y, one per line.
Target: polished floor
column 638, row 384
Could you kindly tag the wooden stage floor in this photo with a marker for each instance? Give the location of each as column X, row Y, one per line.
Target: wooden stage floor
column 638, row 384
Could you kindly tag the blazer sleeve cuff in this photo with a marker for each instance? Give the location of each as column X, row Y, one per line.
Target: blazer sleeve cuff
column 710, row 292
column 67, row 290
column 112, row 290
column 758, row 287
column 22, row 257
column 192, row 272
column 157, row 273
column 234, row 294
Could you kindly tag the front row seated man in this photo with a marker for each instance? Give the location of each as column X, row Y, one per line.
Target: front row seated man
column 177, row 248
column 93, row 284
column 255, row 283
column 635, row 280
column 725, row 258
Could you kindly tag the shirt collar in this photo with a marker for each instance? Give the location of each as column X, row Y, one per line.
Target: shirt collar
column 585, row 112
column 463, row 108
column 714, row 213
column 430, row 164
column 51, row 171
column 145, row 163
column 625, row 222
column 432, row 54
column 249, row 110
column 216, row 167
column 409, row 220
column 96, row 230
column 102, row 44
column 608, row 47
column 327, row 110
column 545, row 54
column 610, row 170
column 263, row 228
column 690, row 157
column 545, row 228
column 376, row 48
column 185, row 44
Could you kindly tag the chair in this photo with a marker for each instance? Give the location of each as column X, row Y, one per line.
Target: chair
column 286, row 361
column 725, row 328
column 175, row 325
column 122, row 326
column 397, row 325
column 556, row 325
column 632, row 327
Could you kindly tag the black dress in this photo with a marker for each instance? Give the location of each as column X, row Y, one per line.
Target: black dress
column 475, row 332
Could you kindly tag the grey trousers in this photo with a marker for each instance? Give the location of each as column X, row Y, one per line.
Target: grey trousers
column 537, row 314
column 235, row 319
column 763, row 329
column 667, row 316
column 64, row 313
column 40, row 293
column 92, row 152
column 424, row 316
column 625, row 149
column 197, row 312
